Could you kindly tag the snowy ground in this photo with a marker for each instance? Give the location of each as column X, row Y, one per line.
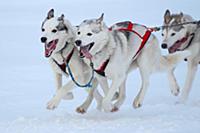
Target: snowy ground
column 26, row 85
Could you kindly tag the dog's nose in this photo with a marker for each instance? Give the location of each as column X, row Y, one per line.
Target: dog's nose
column 164, row 45
column 78, row 43
column 43, row 39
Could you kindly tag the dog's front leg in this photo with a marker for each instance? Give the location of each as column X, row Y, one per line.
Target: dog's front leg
column 58, row 79
column 192, row 68
column 121, row 98
column 53, row 103
column 173, row 83
column 83, row 108
column 106, row 103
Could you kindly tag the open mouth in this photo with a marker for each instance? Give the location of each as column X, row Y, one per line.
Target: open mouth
column 50, row 47
column 175, row 47
column 84, row 51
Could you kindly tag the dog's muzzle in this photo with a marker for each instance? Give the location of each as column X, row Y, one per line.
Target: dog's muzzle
column 175, row 47
column 84, row 50
column 50, row 47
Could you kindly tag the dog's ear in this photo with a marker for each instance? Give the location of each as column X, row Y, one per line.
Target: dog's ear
column 100, row 19
column 180, row 16
column 167, row 16
column 50, row 14
column 61, row 18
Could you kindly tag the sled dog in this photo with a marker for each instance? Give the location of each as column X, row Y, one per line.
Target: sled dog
column 58, row 37
column 114, row 51
column 182, row 38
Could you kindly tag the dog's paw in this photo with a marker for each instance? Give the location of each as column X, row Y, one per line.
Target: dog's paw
column 53, row 103
column 137, row 103
column 175, row 91
column 80, row 110
column 68, row 96
column 114, row 109
column 107, row 106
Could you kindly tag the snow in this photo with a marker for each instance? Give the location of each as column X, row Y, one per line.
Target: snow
column 28, row 84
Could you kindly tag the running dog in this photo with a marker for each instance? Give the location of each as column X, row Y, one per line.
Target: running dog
column 115, row 51
column 181, row 38
column 58, row 37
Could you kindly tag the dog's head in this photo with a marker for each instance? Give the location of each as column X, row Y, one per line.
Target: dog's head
column 91, row 36
column 175, row 37
column 57, row 33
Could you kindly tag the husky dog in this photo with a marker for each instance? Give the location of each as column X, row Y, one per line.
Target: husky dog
column 181, row 38
column 58, row 37
column 115, row 52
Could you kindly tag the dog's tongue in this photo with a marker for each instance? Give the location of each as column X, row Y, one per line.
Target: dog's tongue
column 174, row 48
column 86, row 53
column 177, row 45
column 49, row 48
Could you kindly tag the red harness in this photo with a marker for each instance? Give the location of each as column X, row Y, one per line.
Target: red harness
column 63, row 66
column 129, row 28
column 144, row 38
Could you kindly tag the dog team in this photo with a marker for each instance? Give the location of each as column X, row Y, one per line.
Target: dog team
column 93, row 52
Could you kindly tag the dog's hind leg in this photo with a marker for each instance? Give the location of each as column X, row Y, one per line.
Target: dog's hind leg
column 145, row 83
column 83, row 108
column 53, row 103
column 192, row 68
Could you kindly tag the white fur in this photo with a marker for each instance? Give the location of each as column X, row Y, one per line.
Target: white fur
column 107, row 45
column 194, row 48
column 81, row 71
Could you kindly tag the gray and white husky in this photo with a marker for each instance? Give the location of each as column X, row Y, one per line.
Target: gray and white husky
column 181, row 38
column 58, row 37
column 115, row 52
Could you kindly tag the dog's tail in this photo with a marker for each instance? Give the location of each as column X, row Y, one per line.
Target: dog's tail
column 170, row 61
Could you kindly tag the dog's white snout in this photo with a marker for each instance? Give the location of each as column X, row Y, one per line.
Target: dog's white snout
column 78, row 43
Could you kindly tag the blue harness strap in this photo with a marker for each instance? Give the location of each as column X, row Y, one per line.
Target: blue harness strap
column 66, row 65
column 89, row 84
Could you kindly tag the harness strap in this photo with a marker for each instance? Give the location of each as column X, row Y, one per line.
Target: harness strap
column 101, row 70
column 144, row 40
column 63, row 66
column 69, row 56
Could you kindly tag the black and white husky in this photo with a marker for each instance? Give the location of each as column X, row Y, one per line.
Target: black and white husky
column 115, row 51
column 181, row 38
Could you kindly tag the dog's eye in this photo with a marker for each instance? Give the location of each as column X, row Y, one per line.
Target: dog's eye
column 54, row 30
column 79, row 33
column 89, row 34
column 43, row 29
column 162, row 34
column 173, row 34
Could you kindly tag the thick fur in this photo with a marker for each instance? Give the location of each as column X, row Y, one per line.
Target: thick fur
column 65, row 35
column 120, row 49
column 172, row 34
